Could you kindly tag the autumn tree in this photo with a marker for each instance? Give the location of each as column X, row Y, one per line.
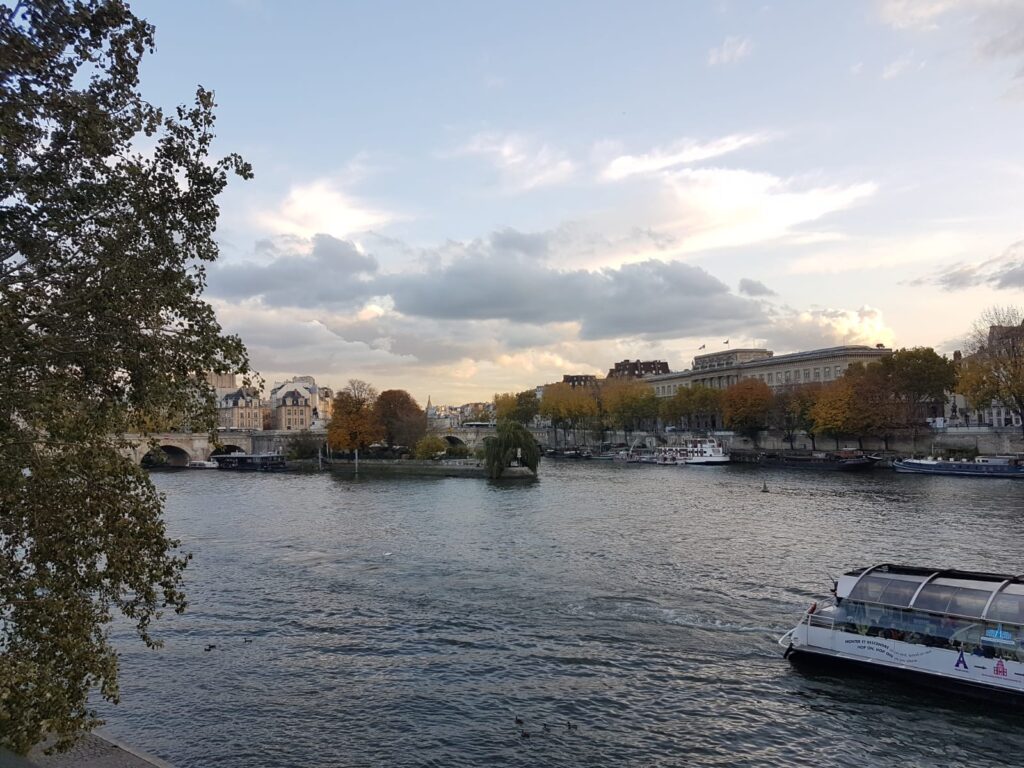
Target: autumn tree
column 568, row 407
column 429, row 447
column 672, row 410
column 401, row 418
column 877, row 411
column 629, row 404
column 992, row 371
column 705, row 406
column 103, row 251
column 354, row 424
column 745, row 407
column 504, row 406
column 791, row 411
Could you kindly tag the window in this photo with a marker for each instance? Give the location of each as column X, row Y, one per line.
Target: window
column 771, row 377
column 817, row 374
column 807, row 374
column 789, row 376
column 828, row 372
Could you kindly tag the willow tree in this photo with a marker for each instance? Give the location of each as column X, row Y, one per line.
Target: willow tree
column 511, row 443
column 102, row 327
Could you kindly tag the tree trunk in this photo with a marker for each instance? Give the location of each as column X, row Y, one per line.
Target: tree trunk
column 357, row 461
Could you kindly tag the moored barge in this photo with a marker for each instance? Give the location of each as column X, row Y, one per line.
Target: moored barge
column 960, row 629
column 981, row 466
column 251, row 462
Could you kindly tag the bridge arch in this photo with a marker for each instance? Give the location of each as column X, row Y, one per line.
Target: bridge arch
column 224, row 450
column 166, row 456
column 453, row 440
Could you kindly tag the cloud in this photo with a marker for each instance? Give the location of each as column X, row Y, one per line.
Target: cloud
column 1005, row 271
column 731, row 50
column 794, row 330
column 995, row 27
column 717, row 207
column 755, row 288
column 522, row 163
column 684, row 151
column 321, row 206
column 901, row 65
column 320, row 271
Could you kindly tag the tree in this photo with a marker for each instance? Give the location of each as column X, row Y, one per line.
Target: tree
column 918, row 377
column 672, row 410
column 746, row 405
column 504, row 406
column 354, row 422
column 629, row 404
column 403, row 421
column 992, row 370
column 430, row 447
column 102, row 328
column 527, row 406
column 304, row 445
column 512, row 442
column 705, row 406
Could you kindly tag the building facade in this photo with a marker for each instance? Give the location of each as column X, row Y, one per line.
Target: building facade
column 241, row 409
column 637, row 369
column 294, row 410
column 720, row 370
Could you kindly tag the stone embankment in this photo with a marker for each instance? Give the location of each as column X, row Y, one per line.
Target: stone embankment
column 94, row 750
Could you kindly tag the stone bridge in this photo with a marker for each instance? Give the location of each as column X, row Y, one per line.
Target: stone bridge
column 182, row 447
column 473, row 437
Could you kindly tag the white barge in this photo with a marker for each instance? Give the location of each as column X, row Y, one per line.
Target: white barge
column 952, row 628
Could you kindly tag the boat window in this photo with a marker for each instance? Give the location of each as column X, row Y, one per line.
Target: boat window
column 887, row 588
column 948, row 598
column 1007, row 607
column 935, row 597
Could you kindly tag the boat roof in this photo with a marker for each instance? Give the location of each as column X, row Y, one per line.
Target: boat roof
column 967, row 594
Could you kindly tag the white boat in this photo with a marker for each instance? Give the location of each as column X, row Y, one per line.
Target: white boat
column 202, row 465
column 704, row 451
column 960, row 629
column 669, row 456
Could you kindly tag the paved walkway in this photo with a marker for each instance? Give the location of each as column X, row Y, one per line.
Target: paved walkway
column 96, row 750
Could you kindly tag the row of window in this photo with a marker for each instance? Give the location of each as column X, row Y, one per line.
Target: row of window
column 773, row 378
column 991, row 639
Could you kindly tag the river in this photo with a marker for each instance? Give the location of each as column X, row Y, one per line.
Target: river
column 409, row 622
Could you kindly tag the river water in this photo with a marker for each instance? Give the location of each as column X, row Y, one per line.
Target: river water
column 409, row 622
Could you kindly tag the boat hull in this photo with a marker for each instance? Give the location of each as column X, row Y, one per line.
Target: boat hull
column 839, row 465
column 958, row 469
column 810, row 659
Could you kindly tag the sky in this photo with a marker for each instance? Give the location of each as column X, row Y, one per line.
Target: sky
column 464, row 198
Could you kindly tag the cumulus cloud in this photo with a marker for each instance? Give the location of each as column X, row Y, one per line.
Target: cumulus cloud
column 682, row 152
column 793, row 330
column 755, row 288
column 319, row 271
column 522, row 162
column 321, row 206
column 731, row 50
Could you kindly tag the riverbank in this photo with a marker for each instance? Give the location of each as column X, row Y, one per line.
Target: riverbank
column 95, row 750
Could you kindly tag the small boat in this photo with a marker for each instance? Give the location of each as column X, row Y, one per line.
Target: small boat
column 252, row 462
column 961, row 629
column 839, row 461
column 981, row 466
column 704, row 451
column 202, row 465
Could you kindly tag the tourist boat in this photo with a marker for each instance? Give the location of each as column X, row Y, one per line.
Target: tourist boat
column 669, row 456
column 704, row 451
column 202, row 465
column 839, row 461
column 252, row 462
column 980, row 466
column 953, row 628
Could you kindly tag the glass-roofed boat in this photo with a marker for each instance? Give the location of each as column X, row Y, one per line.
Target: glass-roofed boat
column 960, row 628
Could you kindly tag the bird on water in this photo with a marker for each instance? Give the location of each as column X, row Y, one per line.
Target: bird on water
column 519, row 720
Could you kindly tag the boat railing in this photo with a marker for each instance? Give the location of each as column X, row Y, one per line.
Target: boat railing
column 820, row 614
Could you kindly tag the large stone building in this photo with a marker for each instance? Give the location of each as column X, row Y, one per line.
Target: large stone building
column 720, row 370
column 294, row 410
column 241, row 409
column 637, row 369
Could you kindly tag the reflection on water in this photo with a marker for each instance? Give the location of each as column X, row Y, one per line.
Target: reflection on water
column 408, row 622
